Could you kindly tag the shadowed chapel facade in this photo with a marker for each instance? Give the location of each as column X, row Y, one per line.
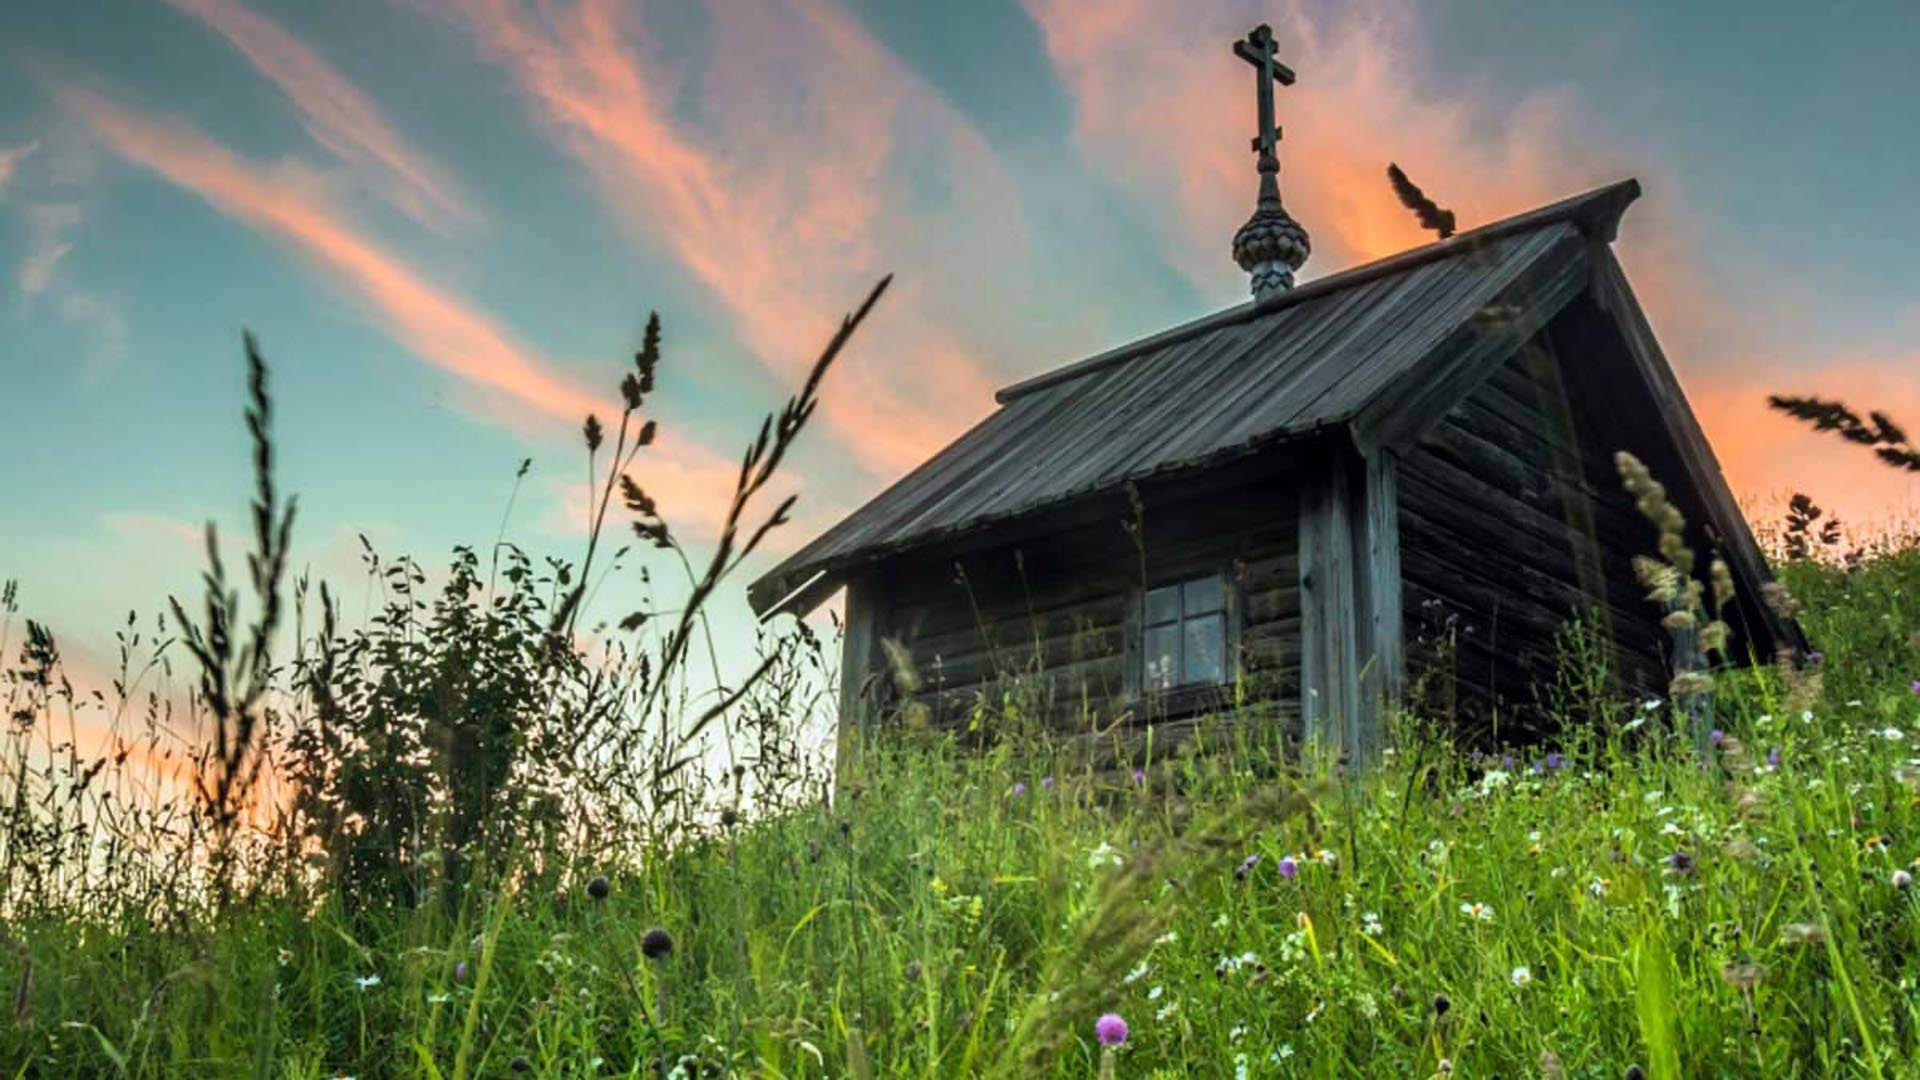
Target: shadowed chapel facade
column 1276, row 503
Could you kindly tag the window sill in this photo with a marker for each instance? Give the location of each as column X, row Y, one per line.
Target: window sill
column 1182, row 701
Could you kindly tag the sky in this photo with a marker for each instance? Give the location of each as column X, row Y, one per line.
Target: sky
column 448, row 222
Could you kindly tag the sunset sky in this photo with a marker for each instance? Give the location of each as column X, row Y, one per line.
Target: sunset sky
column 447, row 223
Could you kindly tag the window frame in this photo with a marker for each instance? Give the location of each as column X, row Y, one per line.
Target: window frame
column 1185, row 695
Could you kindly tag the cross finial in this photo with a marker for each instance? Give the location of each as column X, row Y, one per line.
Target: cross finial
column 1258, row 49
column 1271, row 245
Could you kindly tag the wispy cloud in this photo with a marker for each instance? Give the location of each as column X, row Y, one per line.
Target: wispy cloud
column 434, row 324
column 1169, row 113
column 1167, row 109
column 803, row 179
column 10, row 159
column 338, row 114
column 47, row 243
column 138, row 525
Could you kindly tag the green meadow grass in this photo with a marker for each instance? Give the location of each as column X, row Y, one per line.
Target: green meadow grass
column 954, row 912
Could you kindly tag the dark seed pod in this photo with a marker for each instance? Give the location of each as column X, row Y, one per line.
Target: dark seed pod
column 598, row 888
column 913, row 971
column 520, row 1065
column 1441, row 1004
column 729, row 817
column 656, row 944
column 1635, row 1072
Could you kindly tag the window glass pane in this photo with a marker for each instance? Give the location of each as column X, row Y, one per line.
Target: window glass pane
column 1163, row 605
column 1204, row 649
column 1204, row 595
column 1162, row 657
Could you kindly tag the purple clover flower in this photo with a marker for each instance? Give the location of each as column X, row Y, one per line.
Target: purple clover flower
column 1287, row 866
column 460, row 972
column 1047, row 781
column 1110, row 1029
column 1246, row 866
column 1019, row 788
column 1139, row 776
column 1716, row 736
column 1773, row 758
column 1680, row 862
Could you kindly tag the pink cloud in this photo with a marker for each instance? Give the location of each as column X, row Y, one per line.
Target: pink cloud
column 788, row 196
column 434, row 324
column 1168, row 112
column 10, row 159
column 1769, row 456
column 336, row 112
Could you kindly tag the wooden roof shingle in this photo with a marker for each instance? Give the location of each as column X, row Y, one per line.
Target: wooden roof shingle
column 1355, row 348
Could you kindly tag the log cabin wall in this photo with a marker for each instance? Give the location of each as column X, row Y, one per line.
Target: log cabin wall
column 1513, row 522
column 1056, row 611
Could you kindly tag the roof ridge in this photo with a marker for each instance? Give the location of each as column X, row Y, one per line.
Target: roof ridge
column 1597, row 212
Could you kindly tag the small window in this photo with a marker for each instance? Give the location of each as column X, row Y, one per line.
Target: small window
column 1183, row 640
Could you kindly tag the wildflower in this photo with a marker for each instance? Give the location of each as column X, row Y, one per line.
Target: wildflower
column 1521, row 977
column 1901, row 879
column 1803, row 933
column 1325, row 857
column 285, row 957
column 598, row 888
column 1635, row 1072
column 1773, row 757
column 656, row 944
column 1139, row 776
column 1893, row 734
column 367, row 982
column 1287, row 866
column 1140, row 971
column 1110, row 1029
column 1597, row 888
column 1047, row 781
column 1154, row 992
column 1679, row 863
column 1445, row 1067
column 1246, row 867
column 1019, row 788
column 1716, row 736
column 913, row 970
column 460, row 972
column 1875, row 845
column 1441, row 1004
column 1915, row 687
column 1104, row 855
column 1743, row 977
column 1370, row 924
column 1479, row 911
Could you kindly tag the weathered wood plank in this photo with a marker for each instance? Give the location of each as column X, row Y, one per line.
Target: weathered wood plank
column 1329, row 647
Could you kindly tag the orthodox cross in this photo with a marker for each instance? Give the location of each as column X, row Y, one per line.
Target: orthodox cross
column 1258, row 50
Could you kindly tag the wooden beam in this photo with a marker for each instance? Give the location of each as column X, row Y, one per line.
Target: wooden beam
column 1377, row 589
column 1351, row 641
column 862, row 670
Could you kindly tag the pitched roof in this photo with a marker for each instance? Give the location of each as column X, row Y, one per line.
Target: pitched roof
column 1343, row 349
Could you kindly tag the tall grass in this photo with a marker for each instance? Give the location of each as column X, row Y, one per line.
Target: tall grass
column 471, row 848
